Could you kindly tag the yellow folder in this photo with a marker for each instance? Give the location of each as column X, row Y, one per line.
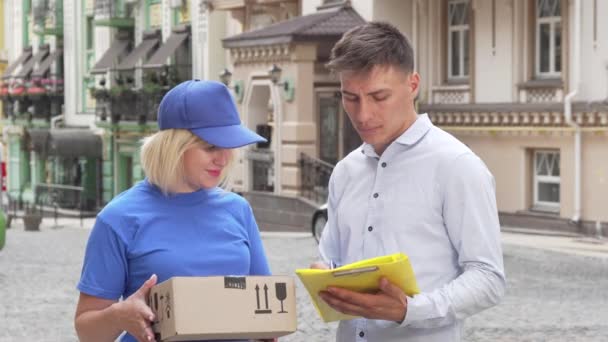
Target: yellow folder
column 360, row 276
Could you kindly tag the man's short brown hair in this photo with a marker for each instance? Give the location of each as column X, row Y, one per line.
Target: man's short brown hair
column 369, row 45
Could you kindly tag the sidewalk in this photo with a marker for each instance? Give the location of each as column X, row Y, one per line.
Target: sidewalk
column 562, row 242
column 556, row 241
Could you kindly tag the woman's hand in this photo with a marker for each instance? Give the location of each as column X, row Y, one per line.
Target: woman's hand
column 134, row 315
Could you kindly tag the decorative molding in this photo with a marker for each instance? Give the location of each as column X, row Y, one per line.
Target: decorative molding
column 541, row 95
column 223, row 5
column 263, row 54
column 452, row 94
column 517, row 119
column 541, row 91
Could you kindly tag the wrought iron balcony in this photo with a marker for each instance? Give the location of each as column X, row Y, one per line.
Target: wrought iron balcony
column 48, row 17
column 123, row 102
column 113, row 13
column 148, row 100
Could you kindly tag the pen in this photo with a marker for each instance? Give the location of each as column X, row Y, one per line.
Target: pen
column 332, row 264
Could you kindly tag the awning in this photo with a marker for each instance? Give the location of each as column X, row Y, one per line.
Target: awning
column 45, row 65
column 177, row 38
column 25, row 71
column 149, row 43
column 73, row 143
column 39, row 139
column 118, row 47
column 27, row 54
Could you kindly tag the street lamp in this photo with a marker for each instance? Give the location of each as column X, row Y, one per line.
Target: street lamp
column 287, row 85
column 275, row 73
column 226, row 78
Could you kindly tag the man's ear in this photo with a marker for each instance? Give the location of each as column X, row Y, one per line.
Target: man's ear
column 414, row 83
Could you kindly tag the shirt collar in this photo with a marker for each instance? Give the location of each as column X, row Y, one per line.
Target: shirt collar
column 411, row 135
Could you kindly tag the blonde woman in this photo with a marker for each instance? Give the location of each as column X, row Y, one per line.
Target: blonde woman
column 177, row 222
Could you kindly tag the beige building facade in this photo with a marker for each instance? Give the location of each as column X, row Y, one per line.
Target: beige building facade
column 532, row 104
column 523, row 83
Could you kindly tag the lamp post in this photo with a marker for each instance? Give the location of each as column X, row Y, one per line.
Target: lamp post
column 226, row 78
column 275, row 73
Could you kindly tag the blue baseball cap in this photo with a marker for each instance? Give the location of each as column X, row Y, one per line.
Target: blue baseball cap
column 207, row 109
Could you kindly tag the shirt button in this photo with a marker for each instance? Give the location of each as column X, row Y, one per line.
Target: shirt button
column 370, row 228
column 383, row 164
column 361, row 334
column 376, row 195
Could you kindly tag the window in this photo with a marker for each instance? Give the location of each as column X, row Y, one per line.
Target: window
column 88, row 81
column 153, row 14
column 90, row 33
column 337, row 136
column 548, row 38
column 458, row 39
column 546, row 180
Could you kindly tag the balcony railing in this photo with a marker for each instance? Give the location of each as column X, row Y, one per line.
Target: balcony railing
column 48, row 16
column 62, row 196
column 112, row 13
column 148, row 100
column 49, row 200
column 129, row 105
column 314, row 175
column 124, row 102
column 52, row 197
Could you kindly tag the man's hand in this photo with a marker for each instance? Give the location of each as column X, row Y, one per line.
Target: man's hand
column 389, row 303
column 319, row 265
column 134, row 315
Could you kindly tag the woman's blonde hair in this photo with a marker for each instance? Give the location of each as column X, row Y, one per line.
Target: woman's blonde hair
column 162, row 156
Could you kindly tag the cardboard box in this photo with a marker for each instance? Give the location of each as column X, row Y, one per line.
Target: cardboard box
column 233, row 307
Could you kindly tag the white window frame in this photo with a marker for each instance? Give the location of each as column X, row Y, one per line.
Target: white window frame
column 462, row 30
column 551, row 21
column 544, row 205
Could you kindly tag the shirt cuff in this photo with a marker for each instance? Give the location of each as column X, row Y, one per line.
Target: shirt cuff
column 417, row 308
column 408, row 317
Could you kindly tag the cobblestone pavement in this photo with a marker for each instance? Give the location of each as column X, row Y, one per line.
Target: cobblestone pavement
column 552, row 295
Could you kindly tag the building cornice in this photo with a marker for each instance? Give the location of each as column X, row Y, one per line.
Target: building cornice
column 261, row 54
column 224, row 5
column 592, row 114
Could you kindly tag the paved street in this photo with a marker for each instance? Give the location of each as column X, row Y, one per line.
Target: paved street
column 557, row 287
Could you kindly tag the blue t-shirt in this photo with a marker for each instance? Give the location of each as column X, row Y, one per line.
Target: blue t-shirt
column 143, row 232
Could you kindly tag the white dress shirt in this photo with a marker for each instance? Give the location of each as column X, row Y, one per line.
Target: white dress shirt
column 430, row 197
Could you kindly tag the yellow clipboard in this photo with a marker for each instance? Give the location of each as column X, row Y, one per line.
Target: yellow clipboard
column 361, row 276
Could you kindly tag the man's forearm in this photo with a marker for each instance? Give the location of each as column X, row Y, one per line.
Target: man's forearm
column 478, row 288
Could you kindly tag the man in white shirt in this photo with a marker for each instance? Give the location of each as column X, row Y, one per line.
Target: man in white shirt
column 410, row 188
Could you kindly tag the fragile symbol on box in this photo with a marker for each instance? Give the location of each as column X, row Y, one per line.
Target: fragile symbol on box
column 223, row 308
column 280, row 292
